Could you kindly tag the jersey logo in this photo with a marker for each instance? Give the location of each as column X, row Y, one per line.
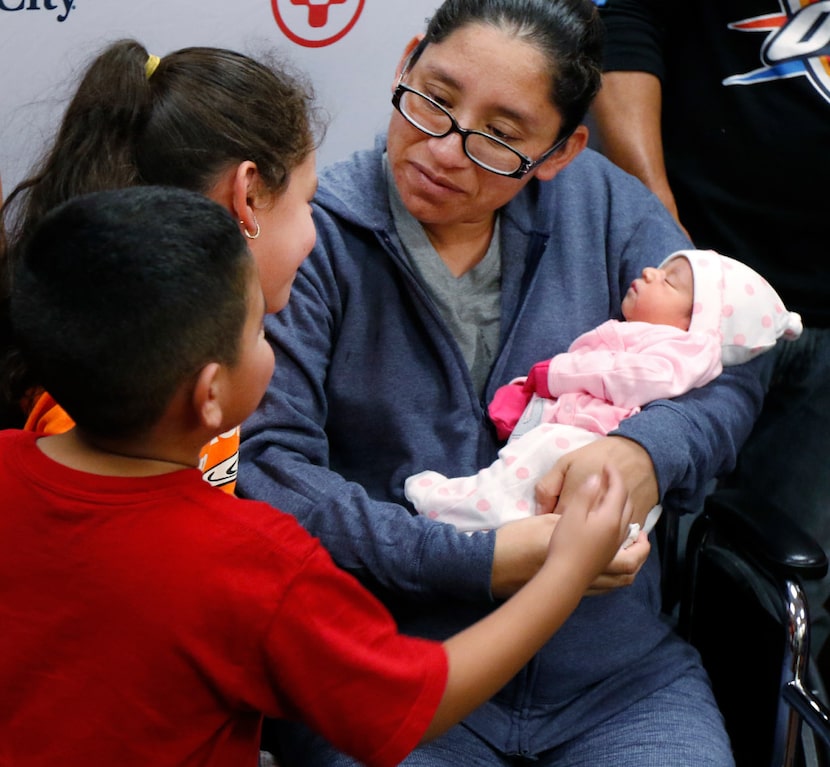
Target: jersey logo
column 223, row 472
column 797, row 45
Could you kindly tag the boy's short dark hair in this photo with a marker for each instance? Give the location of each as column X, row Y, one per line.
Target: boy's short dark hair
column 119, row 297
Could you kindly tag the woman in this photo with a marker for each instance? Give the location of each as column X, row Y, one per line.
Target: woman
column 477, row 237
column 179, row 121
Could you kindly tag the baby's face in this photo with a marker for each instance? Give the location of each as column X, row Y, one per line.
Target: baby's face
column 662, row 296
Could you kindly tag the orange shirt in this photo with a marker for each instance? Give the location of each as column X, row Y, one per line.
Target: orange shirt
column 218, row 461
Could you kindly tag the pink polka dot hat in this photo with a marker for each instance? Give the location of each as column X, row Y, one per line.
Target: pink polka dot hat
column 735, row 302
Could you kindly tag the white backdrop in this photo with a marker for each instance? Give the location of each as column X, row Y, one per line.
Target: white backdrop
column 349, row 48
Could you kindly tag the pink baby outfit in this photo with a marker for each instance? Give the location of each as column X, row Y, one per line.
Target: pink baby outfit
column 607, row 374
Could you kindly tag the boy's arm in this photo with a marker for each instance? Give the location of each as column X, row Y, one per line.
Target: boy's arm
column 375, row 693
column 484, row 657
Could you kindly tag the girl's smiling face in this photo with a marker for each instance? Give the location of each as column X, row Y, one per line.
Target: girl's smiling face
column 287, row 234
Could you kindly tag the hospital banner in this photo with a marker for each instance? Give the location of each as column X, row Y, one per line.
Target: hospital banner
column 349, row 50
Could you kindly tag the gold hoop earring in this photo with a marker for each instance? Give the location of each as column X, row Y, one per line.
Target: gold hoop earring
column 247, row 233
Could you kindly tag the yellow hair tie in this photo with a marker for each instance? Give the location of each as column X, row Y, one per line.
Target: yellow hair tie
column 150, row 65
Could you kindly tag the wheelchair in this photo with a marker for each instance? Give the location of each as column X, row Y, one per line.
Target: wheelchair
column 736, row 594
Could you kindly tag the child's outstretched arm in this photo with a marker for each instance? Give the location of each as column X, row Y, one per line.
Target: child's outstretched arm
column 484, row 657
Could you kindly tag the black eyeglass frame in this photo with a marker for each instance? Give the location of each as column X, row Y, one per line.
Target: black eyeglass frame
column 527, row 164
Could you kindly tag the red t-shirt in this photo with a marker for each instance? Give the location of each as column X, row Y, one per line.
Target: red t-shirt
column 154, row 620
column 218, row 460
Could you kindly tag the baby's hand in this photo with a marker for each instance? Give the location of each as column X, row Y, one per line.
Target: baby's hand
column 594, row 524
column 633, row 535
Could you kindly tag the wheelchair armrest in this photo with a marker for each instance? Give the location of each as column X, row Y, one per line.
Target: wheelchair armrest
column 809, row 707
column 767, row 534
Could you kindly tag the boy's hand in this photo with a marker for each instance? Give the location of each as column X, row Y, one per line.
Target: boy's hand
column 522, row 548
column 593, row 525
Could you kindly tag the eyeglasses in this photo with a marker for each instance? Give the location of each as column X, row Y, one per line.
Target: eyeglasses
column 484, row 150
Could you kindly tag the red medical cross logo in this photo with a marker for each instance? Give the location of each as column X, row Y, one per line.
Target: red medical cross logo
column 315, row 23
column 318, row 13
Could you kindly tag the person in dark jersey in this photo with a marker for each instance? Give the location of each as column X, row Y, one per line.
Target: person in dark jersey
column 722, row 108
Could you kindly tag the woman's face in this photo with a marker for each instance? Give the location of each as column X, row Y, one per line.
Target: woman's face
column 492, row 82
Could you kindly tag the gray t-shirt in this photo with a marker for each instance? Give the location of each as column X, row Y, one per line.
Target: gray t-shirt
column 469, row 304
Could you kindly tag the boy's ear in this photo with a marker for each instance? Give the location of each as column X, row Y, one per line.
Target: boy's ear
column 207, row 397
column 576, row 142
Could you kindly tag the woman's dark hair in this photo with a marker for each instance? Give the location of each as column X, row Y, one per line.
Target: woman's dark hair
column 120, row 297
column 200, row 111
column 567, row 32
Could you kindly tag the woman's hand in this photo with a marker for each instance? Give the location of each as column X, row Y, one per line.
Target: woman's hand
column 521, row 548
column 623, row 568
column 592, row 527
column 634, row 464
column 572, row 470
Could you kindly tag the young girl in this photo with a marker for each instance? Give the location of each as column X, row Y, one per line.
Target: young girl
column 204, row 119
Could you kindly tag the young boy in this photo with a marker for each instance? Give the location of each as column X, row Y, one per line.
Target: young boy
column 151, row 619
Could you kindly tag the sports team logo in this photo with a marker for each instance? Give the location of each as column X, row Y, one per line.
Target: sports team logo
column 797, row 44
column 316, row 23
